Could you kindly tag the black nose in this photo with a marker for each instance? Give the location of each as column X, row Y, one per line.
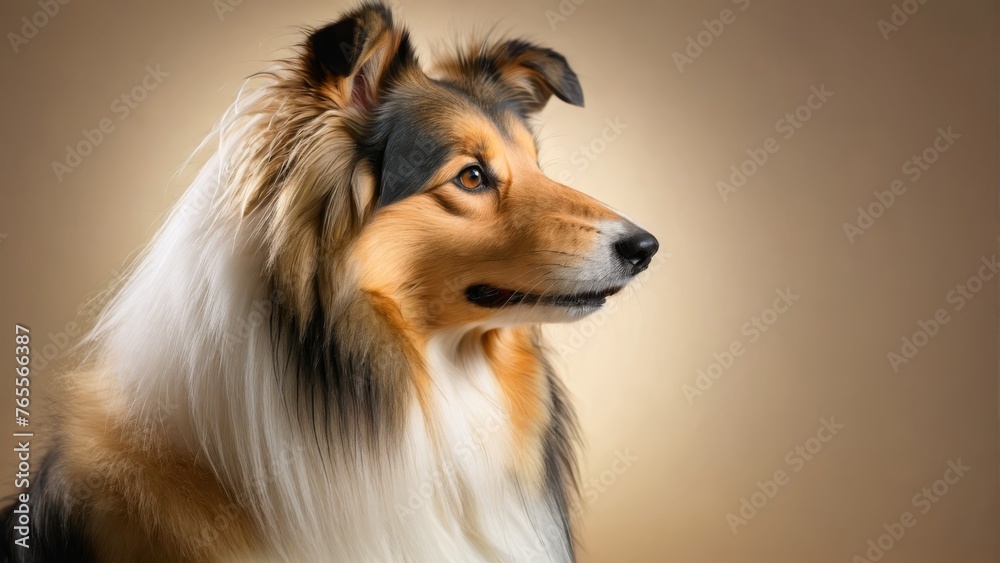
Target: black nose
column 637, row 250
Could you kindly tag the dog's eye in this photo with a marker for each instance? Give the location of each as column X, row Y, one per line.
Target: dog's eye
column 471, row 177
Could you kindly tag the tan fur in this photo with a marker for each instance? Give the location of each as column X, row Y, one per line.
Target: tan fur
column 513, row 356
column 143, row 496
column 412, row 342
column 426, row 243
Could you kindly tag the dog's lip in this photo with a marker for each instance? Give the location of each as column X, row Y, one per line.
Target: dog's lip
column 493, row 297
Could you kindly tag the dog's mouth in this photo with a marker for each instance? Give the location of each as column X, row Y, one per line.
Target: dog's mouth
column 495, row 297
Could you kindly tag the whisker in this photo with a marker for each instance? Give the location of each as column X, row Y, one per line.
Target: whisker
column 518, row 290
column 532, row 269
column 530, row 252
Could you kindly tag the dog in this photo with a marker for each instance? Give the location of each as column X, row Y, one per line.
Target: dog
column 330, row 351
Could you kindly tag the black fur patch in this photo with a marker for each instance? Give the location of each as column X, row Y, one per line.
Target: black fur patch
column 56, row 535
column 405, row 146
column 347, row 373
column 335, row 51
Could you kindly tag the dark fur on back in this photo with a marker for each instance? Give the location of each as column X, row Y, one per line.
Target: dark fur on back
column 56, row 535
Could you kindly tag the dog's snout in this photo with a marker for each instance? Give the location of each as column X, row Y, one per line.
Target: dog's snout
column 636, row 250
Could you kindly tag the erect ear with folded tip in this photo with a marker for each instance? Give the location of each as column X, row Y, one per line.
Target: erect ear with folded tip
column 352, row 60
column 531, row 73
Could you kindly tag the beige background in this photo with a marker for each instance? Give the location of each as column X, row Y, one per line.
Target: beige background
column 722, row 261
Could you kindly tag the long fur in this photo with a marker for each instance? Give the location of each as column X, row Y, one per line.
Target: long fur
column 283, row 378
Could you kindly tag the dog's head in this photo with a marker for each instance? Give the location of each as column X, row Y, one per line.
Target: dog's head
column 425, row 189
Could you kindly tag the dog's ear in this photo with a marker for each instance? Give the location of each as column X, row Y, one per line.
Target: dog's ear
column 530, row 73
column 354, row 59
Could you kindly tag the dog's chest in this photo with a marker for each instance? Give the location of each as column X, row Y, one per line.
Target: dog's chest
column 462, row 434
column 466, row 482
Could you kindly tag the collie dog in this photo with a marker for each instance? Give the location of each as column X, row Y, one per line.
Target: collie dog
column 330, row 352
